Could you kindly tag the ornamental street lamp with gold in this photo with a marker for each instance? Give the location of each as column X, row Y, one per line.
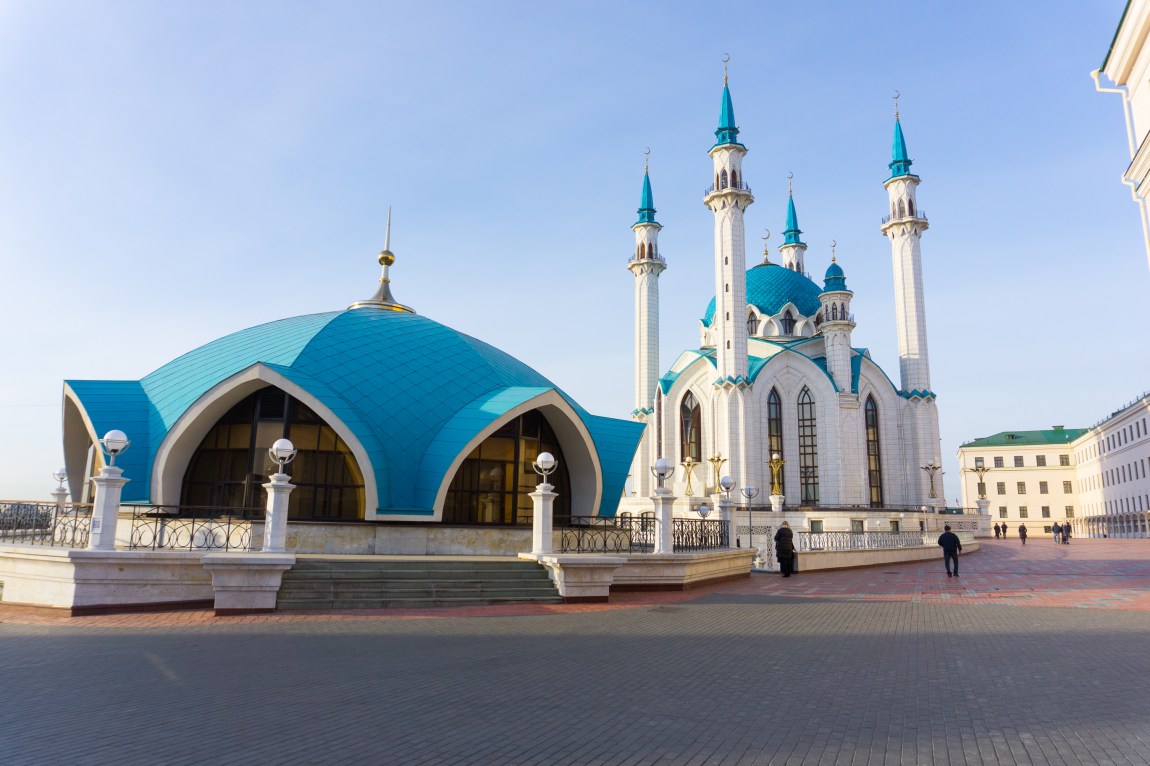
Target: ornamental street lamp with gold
column 981, row 471
column 717, row 463
column 689, row 466
column 776, row 463
column 932, row 469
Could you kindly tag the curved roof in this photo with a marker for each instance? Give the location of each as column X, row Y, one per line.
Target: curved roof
column 771, row 286
column 396, row 379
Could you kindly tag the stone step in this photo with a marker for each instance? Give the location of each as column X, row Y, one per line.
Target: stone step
column 414, row 574
column 409, row 603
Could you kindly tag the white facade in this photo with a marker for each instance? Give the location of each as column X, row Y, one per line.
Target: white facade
column 775, row 372
column 1127, row 66
column 1113, row 461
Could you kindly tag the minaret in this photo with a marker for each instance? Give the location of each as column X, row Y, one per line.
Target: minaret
column 383, row 298
column 837, row 324
column 793, row 248
column 904, row 227
column 728, row 199
column 646, row 264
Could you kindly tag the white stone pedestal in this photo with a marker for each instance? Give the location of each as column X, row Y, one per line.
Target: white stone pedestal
column 724, row 504
column 580, row 577
column 246, row 582
column 106, row 508
column 664, row 528
column 777, row 503
column 984, row 525
column 542, row 521
column 275, row 524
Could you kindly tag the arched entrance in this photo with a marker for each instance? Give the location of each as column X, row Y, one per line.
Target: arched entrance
column 231, row 464
column 493, row 482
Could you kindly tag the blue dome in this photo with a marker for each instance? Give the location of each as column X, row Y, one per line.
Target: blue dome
column 835, row 279
column 834, row 271
column 412, row 391
column 771, row 286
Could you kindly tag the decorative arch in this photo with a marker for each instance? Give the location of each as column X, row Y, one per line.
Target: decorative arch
column 788, row 323
column 910, row 207
column 752, row 324
column 690, row 428
column 775, row 434
column 723, row 178
column 901, row 209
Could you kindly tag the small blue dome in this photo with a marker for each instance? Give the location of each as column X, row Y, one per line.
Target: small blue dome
column 833, row 271
column 771, row 286
column 834, row 279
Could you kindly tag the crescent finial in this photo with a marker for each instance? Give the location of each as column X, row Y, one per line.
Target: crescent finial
column 726, row 58
column 833, row 245
column 790, row 177
column 897, row 95
column 647, row 160
column 766, row 252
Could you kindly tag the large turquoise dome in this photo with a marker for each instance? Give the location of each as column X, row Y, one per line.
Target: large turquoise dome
column 771, row 286
column 411, row 390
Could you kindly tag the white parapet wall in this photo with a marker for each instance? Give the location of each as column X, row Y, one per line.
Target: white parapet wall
column 814, row 561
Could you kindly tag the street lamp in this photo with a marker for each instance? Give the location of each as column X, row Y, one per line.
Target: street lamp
column 662, row 470
column 60, row 476
column 545, row 465
column 981, row 470
column 776, row 463
column 114, row 443
column 703, row 510
column 749, row 492
column 932, row 468
column 689, row 466
column 282, row 452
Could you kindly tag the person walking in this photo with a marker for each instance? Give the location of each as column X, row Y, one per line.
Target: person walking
column 1066, row 533
column 951, row 545
column 1004, row 530
column 1057, row 532
column 785, row 548
column 997, row 531
column 1022, row 533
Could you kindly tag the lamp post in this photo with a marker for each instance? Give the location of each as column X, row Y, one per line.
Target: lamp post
column 543, row 499
column 750, row 492
column 983, row 504
column 717, row 464
column 776, row 463
column 689, row 467
column 279, row 489
column 61, row 492
column 664, row 534
column 932, row 468
column 109, row 484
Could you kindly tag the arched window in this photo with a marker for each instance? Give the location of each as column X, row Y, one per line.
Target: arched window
column 717, row 181
column 834, row 311
column 808, row 449
column 723, row 179
column 231, row 464
column 788, row 322
column 775, row 434
column 752, row 324
column 893, row 210
column 734, row 178
column 493, row 482
column 874, row 461
column 910, row 207
column 901, row 210
column 690, row 429
column 843, row 311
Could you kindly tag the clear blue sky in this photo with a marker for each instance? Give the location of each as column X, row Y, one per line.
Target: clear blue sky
column 171, row 172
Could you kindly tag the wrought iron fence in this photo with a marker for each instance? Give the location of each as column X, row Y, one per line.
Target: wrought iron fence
column 25, row 522
column 636, row 534
column 188, row 528
column 854, row 541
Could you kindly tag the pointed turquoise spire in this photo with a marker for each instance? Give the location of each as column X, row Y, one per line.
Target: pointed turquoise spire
column 727, row 132
column 647, row 203
column 900, row 163
column 791, row 235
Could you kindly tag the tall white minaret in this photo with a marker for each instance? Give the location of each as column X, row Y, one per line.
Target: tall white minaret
column 728, row 199
column 837, row 324
column 904, row 228
column 646, row 264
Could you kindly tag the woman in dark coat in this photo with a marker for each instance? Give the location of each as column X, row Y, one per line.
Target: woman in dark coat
column 785, row 548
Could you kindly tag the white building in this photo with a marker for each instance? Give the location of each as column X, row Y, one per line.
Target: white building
column 775, row 370
column 1097, row 478
column 1127, row 66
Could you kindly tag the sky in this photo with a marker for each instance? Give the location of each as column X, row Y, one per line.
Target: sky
column 173, row 172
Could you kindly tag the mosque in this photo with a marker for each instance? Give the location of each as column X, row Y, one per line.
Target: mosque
column 398, row 418
column 775, row 371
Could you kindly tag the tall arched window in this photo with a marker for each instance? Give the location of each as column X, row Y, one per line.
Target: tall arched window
column 808, row 449
column 910, row 207
column 723, row 179
column 775, row 434
column 752, row 324
column 788, row 322
column 690, row 429
column 874, row 460
column 901, row 209
column 735, row 178
column 834, row 311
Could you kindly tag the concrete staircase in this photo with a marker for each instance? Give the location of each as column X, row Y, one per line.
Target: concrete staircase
column 410, row 582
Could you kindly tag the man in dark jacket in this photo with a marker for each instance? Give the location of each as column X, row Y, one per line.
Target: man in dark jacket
column 951, row 545
column 1022, row 533
column 1057, row 532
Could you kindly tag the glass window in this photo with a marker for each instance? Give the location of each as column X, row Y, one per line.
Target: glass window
column 1018, row 461
column 894, row 525
column 1042, row 488
column 998, row 462
column 858, row 526
column 874, row 462
column 1022, row 488
column 1067, row 487
column 1000, row 487
column 1002, row 511
column 1040, row 460
column 788, row 322
column 1046, row 511
column 1070, row 511
column 492, row 485
column 690, row 429
column 231, row 464
column 816, row 525
column 775, row 433
column 1023, row 512
column 808, row 449
column 979, row 463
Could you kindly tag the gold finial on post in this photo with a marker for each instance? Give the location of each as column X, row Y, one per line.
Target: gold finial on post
column 766, row 252
column 726, row 58
column 689, row 466
column 790, row 178
column 717, row 463
column 897, row 95
column 646, row 160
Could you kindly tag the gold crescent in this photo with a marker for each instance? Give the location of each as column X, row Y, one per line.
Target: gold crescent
column 833, row 244
column 726, row 57
column 790, row 176
column 648, row 152
column 768, row 235
column 897, row 95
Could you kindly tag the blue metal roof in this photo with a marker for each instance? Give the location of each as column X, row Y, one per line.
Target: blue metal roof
column 791, row 235
column 771, row 286
column 834, row 279
column 727, row 133
column 647, row 203
column 900, row 163
column 410, row 389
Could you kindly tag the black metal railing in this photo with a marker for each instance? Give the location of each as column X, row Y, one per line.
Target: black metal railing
column 26, row 522
column 636, row 534
column 739, row 186
column 920, row 215
column 858, row 541
column 192, row 528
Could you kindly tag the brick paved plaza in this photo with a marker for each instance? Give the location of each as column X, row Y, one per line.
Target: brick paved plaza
column 1034, row 655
